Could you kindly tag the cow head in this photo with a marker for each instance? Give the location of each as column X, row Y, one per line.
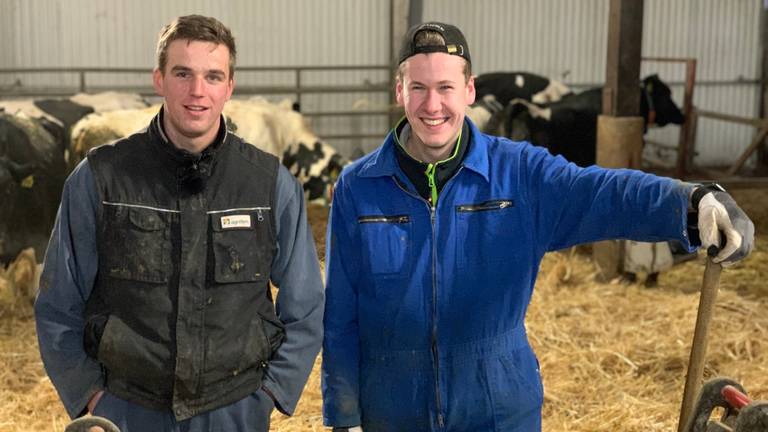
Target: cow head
column 656, row 104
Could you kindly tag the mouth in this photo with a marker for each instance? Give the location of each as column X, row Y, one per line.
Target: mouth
column 434, row 122
column 196, row 108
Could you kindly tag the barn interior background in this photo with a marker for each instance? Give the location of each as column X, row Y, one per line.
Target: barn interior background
column 333, row 56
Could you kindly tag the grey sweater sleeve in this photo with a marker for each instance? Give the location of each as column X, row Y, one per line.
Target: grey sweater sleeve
column 300, row 299
column 69, row 272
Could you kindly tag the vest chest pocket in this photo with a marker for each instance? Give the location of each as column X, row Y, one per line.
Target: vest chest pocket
column 243, row 245
column 137, row 243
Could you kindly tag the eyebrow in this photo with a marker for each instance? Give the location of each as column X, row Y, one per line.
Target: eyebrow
column 438, row 83
column 179, row 68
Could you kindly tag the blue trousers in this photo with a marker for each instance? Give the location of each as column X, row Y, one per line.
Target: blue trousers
column 246, row 415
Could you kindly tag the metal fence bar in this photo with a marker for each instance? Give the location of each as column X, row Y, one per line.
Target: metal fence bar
column 239, row 69
column 298, row 89
column 344, row 113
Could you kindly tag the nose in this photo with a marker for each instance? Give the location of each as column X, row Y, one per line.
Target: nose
column 196, row 86
column 433, row 102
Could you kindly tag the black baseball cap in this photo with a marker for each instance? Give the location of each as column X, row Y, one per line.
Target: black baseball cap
column 455, row 43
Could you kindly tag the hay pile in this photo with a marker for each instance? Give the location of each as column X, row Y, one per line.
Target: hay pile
column 613, row 356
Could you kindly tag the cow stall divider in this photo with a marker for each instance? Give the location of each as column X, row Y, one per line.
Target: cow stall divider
column 729, row 177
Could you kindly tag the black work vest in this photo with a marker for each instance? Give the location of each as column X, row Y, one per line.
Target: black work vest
column 184, row 276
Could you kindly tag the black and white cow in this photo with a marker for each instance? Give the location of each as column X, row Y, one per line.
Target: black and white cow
column 32, row 173
column 569, row 127
column 274, row 128
column 506, row 86
column 495, row 91
column 58, row 116
column 487, row 114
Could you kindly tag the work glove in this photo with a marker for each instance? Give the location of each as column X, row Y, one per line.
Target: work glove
column 718, row 215
column 348, row 429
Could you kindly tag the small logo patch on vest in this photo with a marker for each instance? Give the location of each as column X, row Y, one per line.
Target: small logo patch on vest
column 236, row 221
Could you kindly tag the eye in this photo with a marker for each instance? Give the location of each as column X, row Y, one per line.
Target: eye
column 215, row 78
column 182, row 74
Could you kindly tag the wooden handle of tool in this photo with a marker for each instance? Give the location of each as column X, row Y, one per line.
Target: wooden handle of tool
column 699, row 346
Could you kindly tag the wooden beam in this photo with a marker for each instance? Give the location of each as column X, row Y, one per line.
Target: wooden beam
column 687, row 140
column 762, row 155
column 748, row 152
column 621, row 94
column 758, row 123
column 621, row 98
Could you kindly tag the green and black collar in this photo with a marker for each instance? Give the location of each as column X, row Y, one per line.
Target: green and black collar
column 429, row 178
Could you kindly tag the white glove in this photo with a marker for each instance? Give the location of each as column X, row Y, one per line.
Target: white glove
column 348, row 429
column 718, row 213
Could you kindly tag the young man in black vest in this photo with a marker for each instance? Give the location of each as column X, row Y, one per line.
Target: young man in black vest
column 155, row 309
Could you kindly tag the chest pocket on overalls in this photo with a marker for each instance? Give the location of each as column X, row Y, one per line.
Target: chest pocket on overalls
column 485, row 232
column 243, row 245
column 137, row 243
column 386, row 243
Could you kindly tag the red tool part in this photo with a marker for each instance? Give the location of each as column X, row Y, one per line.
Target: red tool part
column 734, row 397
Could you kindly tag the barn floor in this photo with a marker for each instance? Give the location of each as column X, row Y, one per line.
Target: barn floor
column 613, row 356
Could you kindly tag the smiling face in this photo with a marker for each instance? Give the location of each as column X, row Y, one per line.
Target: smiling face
column 435, row 94
column 195, row 85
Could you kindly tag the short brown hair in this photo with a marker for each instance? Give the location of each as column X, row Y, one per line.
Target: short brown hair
column 195, row 28
column 429, row 38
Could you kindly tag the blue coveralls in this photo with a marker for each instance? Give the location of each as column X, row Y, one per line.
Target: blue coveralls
column 425, row 307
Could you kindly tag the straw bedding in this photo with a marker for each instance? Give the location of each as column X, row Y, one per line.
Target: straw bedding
column 613, row 356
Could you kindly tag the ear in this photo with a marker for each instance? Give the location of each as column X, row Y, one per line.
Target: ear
column 399, row 92
column 231, row 88
column 157, row 82
column 471, row 94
